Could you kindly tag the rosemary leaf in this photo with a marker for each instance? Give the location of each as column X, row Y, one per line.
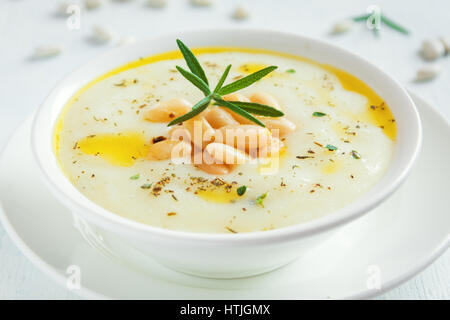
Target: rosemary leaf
column 222, row 78
column 196, row 109
column 393, row 25
column 364, row 17
column 192, row 61
column 259, row 109
column 237, row 110
column 246, row 81
column 195, row 80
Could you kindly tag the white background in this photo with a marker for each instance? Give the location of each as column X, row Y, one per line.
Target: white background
column 25, row 24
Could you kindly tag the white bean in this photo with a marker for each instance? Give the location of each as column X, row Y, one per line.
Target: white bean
column 241, row 13
column 283, row 125
column 161, row 150
column 200, row 131
column 265, row 98
column 93, row 4
column 246, row 138
column 221, row 153
column 432, row 49
column 46, row 51
column 218, row 117
column 201, row 3
column 63, row 8
column 446, row 42
column 156, row 3
column 168, row 110
column 101, row 34
column 428, row 72
column 342, row 26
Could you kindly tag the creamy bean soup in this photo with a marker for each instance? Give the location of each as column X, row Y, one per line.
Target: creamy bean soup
column 333, row 142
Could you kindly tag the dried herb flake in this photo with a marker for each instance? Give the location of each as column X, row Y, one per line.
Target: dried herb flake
column 260, row 199
column 356, row 155
column 241, row 190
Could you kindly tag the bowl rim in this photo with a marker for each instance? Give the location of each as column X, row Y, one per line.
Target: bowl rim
column 113, row 222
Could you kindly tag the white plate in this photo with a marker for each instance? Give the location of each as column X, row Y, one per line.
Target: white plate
column 392, row 243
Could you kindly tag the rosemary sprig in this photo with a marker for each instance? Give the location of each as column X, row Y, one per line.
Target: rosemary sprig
column 192, row 61
column 198, row 78
column 385, row 20
column 393, row 25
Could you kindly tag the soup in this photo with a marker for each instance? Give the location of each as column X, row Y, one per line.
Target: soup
column 334, row 141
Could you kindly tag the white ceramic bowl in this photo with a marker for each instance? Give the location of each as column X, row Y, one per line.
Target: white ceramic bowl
column 224, row 255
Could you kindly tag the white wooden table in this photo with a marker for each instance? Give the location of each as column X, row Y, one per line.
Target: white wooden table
column 25, row 24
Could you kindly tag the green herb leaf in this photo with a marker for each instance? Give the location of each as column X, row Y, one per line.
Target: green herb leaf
column 241, row 190
column 135, row 177
column 192, row 61
column 393, row 25
column 195, row 80
column 246, row 81
column 259, row 109
column 387, row 21
column 356, row 155
column 363, row 17
column 146, row 186
column 319, row 114
column 222, row 78
column 331, row 147
column 260, row 199
column 290, row 71
column 238, row 110
column 196, row 109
